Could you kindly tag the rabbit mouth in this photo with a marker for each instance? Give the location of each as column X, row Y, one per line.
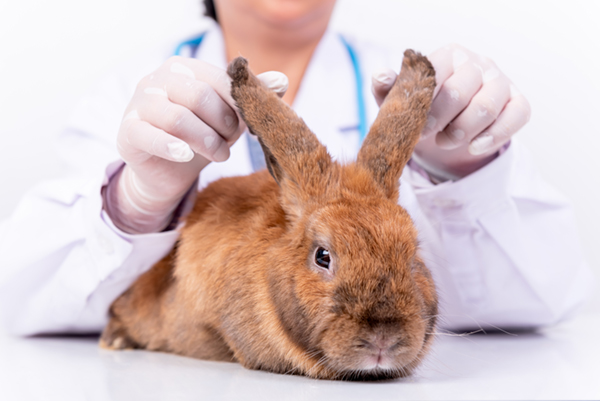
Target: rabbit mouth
column 380, row 364
column 380, row 361
column 387, row 361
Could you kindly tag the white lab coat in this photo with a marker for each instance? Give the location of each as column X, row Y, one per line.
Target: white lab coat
column 501, row 243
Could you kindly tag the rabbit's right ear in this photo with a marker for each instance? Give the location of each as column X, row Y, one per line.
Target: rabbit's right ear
column 294, row 156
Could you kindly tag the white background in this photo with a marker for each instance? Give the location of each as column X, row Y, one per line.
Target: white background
column 51, row 51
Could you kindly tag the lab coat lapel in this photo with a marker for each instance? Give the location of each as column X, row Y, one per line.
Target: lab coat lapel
column 327, row 98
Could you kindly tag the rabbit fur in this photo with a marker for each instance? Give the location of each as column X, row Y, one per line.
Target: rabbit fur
column 245, row 283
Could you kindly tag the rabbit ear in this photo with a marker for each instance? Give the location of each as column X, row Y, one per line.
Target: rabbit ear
column 397, row 128
column 294, row 155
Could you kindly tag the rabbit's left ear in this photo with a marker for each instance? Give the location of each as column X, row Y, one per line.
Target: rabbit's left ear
column 397, row 128
column 294, row 156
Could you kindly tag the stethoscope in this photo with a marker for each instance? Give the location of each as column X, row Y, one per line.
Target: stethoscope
column 256, row 154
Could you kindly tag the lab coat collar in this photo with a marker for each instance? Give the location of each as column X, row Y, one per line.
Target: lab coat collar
column 212, row 48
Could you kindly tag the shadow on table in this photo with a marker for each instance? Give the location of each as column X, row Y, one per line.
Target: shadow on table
column 163, row 376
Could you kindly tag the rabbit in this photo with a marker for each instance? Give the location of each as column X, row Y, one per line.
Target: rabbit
column 309, row 268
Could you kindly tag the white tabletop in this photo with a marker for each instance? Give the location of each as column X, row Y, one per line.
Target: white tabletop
column 562, row 362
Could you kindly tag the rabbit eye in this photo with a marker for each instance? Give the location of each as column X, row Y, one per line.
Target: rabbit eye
column 322, row 258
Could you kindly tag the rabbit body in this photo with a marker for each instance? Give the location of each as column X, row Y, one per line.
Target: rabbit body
column 312, row 269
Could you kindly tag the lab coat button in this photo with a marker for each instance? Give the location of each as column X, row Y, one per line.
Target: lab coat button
column 105, row 245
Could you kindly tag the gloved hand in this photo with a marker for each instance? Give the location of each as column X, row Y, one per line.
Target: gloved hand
column 180, row 118
column 475, row 111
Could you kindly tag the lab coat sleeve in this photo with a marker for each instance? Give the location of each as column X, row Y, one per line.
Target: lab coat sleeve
column 70, row 261
column 65, row 260
column 502, row 246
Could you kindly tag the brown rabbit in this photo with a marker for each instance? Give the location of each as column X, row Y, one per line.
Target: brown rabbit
column 315, row 272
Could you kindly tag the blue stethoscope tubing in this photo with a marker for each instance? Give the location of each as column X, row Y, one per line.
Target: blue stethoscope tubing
column 195, row 42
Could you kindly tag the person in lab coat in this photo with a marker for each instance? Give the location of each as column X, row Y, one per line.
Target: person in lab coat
column 501, row 244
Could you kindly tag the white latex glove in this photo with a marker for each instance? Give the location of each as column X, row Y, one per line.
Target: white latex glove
column 180, row 118
column 475, row 111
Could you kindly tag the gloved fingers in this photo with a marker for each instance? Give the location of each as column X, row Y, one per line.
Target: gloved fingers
column 446, row 61
column 276, row 81
column 140, row 140
column 199, row 70
column 180, row 122
column 199, row 80
column 514, row 116
column 481, row 112
column 215, row 77
column 453, row 97
column 465, row 127
column 218, row 79
column 381, row 83
column 202, row 100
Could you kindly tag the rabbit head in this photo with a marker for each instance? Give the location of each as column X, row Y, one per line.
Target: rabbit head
column 349, row 288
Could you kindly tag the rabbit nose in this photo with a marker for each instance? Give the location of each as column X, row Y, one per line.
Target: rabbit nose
column 380, row 342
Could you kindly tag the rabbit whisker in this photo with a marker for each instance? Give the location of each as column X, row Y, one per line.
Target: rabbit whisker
column 450, row 334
